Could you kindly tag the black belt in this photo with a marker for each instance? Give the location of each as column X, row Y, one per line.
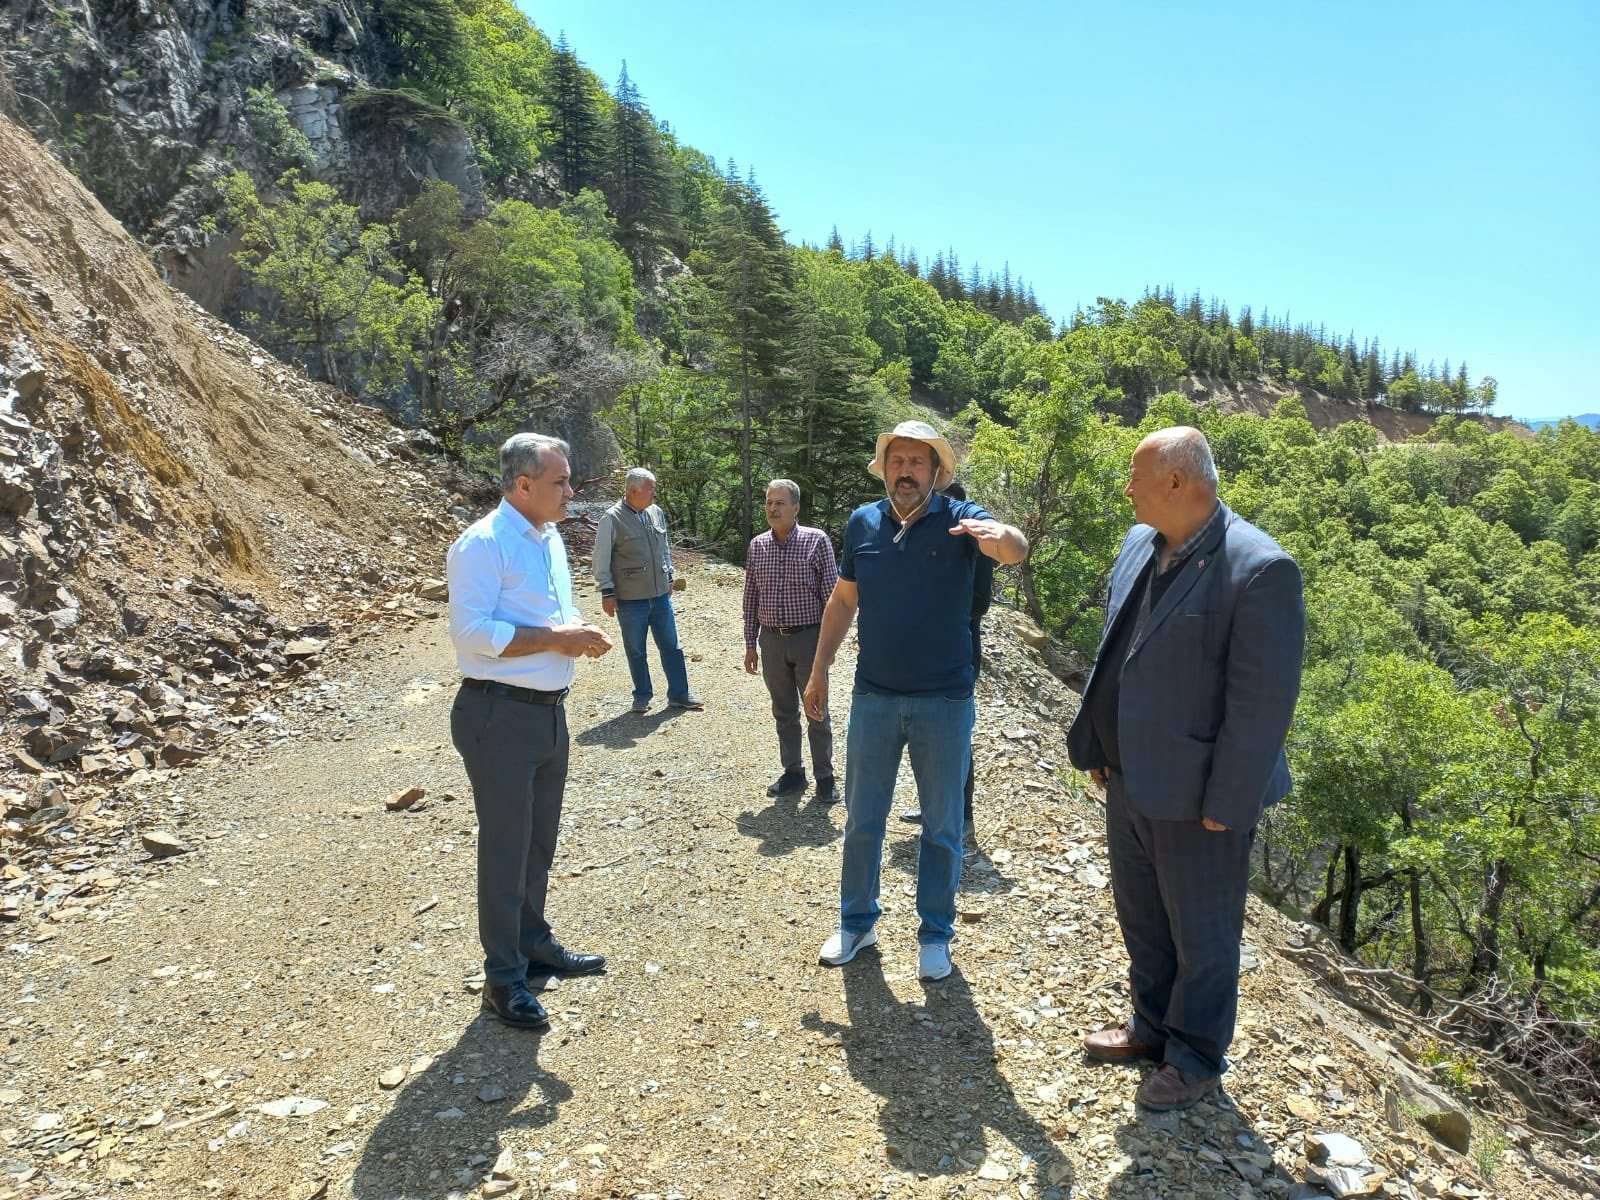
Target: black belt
column 511, row 692
column 786, row 630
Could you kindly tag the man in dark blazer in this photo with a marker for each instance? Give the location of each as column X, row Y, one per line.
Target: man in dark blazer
column 1183, row 722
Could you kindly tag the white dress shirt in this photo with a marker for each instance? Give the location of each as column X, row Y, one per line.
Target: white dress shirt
column 505, row 572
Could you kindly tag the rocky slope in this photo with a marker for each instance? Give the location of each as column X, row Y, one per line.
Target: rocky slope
column 184, row 522
column 1261, row 396
column 151, row 103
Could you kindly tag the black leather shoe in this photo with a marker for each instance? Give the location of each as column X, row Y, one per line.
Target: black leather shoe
column 789, row 781
column 826, row 792
column 565, row 962
column 514, row 1004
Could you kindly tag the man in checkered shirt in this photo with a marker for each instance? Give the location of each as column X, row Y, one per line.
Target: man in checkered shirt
column 789, row 575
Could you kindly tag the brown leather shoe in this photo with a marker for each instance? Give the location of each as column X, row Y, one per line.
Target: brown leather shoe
column 1171, row 1088
column 1118, row 1045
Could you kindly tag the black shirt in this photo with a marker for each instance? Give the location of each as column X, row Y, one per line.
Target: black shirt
column 1142, row 600
column 1106, row 693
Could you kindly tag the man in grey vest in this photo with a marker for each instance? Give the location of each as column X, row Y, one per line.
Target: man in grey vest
column 633, row 566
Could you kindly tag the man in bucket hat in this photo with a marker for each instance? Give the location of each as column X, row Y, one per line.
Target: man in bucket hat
column 907, row 565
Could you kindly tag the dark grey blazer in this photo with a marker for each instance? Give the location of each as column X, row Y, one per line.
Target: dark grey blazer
column 1209, row 688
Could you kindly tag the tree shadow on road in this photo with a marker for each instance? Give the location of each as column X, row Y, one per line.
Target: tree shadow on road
column 441, row 1138
column 786, row 825
column 933, row 1063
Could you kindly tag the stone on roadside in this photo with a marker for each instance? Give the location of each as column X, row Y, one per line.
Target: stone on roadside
column 400, row 801
column 491, row 1093
column 1334, row 1150
column 1342, row 1182
column 292, row 1106
column 161, row 844
column 392, row 1078
column 1450, row 1127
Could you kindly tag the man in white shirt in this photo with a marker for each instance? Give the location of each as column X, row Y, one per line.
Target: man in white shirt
column 517, row 637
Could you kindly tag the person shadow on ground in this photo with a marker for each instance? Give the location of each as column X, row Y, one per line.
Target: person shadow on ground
column 628, row 728
column 786, row 824
column 933, row 1062
column 979, row 874
column 1168, row 1152
column 443, row 1132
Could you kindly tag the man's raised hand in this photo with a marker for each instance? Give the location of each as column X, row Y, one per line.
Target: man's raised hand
column 982, row 530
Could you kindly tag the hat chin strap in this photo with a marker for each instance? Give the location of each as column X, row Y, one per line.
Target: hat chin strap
column 906, row 519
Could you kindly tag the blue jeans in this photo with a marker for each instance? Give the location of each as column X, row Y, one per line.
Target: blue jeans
column 938, row 734
column 634, row 617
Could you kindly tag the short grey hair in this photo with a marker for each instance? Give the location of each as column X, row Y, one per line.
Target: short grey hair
column 638, row 475
column 524, row 454
column 787, row 485
column 1184, row 448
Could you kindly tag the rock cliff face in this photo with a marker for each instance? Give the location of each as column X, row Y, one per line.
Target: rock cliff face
column 182, row 518
column 151, row 101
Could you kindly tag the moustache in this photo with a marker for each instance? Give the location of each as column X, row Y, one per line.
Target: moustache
column 906, row 481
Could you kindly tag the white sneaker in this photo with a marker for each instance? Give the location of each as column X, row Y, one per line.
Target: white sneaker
column 933, row 961
column 841, row 946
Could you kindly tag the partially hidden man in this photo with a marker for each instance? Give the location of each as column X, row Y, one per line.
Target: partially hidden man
column 788, row 576
column 907, row 566
column 518, row 637
column 633, row 566
column 1183, row 722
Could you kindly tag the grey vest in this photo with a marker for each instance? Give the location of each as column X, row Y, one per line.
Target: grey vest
column 638, row 552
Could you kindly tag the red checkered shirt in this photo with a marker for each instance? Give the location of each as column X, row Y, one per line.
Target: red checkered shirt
column 787, row 583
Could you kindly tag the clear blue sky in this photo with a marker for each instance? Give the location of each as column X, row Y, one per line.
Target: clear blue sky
column 1426, row 173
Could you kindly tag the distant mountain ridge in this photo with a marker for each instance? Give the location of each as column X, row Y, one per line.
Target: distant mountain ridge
column 1592, row 420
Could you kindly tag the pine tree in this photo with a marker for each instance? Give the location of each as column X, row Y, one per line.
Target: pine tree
column 638, row 182
column 576, row 136
column 835, row 242
column 957, row 290
column 1372, row 372
column 748, row 269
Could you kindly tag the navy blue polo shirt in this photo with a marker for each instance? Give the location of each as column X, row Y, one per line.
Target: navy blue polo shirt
column 915, row 599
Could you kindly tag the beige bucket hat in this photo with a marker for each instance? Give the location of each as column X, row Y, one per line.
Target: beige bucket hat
column 923, row 432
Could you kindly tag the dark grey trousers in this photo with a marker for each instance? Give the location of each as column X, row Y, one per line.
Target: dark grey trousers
column 516, row 758
column 786, row 668
column 1180, row 892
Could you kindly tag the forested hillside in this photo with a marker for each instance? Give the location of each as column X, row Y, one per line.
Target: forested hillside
column 438, row 209
column 433, row 206
column 1443, row 823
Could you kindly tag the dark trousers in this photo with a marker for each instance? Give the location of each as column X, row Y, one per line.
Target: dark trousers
column 516, row 757
column 1180, row 892
column 786, row 668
